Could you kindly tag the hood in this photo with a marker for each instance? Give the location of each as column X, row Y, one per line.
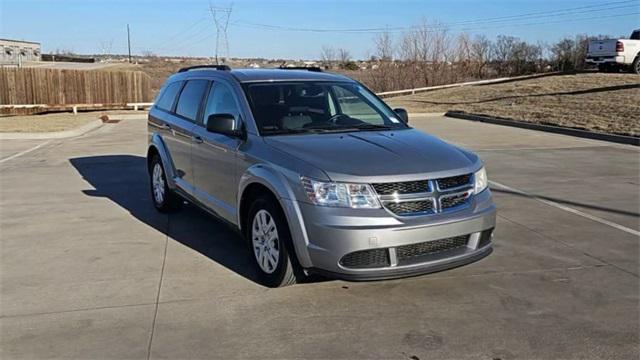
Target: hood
column 376, row 156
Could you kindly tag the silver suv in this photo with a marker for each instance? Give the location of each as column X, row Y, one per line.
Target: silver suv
column 317, row 173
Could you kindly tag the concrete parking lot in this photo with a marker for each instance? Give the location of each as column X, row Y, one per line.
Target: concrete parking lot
column 89, row 269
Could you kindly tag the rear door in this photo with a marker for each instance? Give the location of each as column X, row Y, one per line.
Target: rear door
column 214, row 155
column 181, row 130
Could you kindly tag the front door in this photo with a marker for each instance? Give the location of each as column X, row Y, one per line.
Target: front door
column 214, row 155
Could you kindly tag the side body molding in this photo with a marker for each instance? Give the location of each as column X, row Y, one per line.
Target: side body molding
column 156, row 142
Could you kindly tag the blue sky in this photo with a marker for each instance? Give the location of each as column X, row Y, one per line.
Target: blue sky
column 186, row 27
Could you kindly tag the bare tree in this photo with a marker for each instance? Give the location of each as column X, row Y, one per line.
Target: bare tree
column 480, row 54
column 343, row 56
column 328, row 56
column 503, row 50
column 462, row 57
column 384, row 46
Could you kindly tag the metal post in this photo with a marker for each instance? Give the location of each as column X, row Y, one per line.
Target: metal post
column 129, row 42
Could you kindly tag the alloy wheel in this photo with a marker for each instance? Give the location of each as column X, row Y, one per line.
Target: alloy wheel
column 264, row 237
column 158, row 184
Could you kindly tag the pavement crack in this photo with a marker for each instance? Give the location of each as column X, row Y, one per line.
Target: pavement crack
column 569, row 246
column 155, row 311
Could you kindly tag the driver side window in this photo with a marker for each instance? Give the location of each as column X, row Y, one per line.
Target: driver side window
column 221, row 100
column 352, row 106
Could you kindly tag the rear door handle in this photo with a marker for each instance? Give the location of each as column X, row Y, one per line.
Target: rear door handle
column 197, row 139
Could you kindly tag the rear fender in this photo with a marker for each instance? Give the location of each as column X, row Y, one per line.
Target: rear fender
column 158, row 144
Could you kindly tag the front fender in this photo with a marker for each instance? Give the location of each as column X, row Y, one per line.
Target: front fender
column 281, row 187
column 158, row 144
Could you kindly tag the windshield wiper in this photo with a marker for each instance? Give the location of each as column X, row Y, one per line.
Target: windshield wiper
column 368, row 126
column 292, row 131
column 284, row 131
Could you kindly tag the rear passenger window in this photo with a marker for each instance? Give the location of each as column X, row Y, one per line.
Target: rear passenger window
column 635, row 35
column 190, row 98
column 168, row 96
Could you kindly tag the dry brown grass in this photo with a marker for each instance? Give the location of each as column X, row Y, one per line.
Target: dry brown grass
column 598, row 102
column 46, row 122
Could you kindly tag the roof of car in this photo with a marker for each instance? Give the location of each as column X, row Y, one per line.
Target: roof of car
column 262, row 75
column 249, row 75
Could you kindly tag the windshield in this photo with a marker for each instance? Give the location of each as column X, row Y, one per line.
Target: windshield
column 312, row 107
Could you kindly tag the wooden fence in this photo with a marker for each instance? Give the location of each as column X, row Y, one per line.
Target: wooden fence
column 61, row 87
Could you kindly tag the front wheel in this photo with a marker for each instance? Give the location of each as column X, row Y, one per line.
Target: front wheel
column 269, row 238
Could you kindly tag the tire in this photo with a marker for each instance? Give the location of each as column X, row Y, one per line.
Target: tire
column 636, row 66
column 269, row 238
column 163, row 198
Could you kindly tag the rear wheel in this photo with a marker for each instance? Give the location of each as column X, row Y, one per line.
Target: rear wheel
column 636, row 65
column 268, row 234
column 164, row 199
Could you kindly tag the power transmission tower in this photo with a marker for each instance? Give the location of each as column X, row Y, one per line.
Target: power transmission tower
column 221, row 16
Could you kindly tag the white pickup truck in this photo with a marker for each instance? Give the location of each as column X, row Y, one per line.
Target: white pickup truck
column 615, row 54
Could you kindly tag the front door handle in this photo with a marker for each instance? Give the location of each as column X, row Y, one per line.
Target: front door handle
column 197, row 139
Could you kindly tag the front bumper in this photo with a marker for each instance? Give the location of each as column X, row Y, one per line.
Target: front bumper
column 330, row 234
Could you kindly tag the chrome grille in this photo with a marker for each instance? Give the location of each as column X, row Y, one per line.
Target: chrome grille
column 407, row 187
column 447, row 202
column 453, row 181
column 413, row 251
column 421, row 197
column 410, row 207
column 366, row 259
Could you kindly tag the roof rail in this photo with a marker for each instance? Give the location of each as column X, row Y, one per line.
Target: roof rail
column 196, row 67
column 308, row 68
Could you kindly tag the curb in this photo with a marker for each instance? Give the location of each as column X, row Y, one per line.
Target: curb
column 620, row 139
column 426, row 114
column 53, row 135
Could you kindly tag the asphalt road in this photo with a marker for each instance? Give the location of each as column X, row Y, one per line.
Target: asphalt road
column 89, row 270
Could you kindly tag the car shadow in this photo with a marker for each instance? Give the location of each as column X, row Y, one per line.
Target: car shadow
column 123, row 179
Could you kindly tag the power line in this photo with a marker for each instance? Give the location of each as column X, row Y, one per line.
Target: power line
column 518, row 17
column 436, row 29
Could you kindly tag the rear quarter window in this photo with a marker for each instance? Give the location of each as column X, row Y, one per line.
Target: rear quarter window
column 168, row 96
column 635, row 35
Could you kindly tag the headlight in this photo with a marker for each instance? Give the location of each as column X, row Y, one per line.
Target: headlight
column 357, row 196
column 481, row 181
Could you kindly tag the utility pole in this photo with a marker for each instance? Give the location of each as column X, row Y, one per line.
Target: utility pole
column 129, row 42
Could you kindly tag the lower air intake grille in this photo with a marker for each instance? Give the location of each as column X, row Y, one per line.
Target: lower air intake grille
column 413, row 251
column 410, row 207
column 366, row 259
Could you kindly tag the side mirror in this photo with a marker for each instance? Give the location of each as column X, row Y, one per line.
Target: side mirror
column 224, row 124
column 402, row 114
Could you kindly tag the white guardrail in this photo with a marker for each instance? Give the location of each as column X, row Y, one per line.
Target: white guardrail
column 74, row 107
column 143, row 105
